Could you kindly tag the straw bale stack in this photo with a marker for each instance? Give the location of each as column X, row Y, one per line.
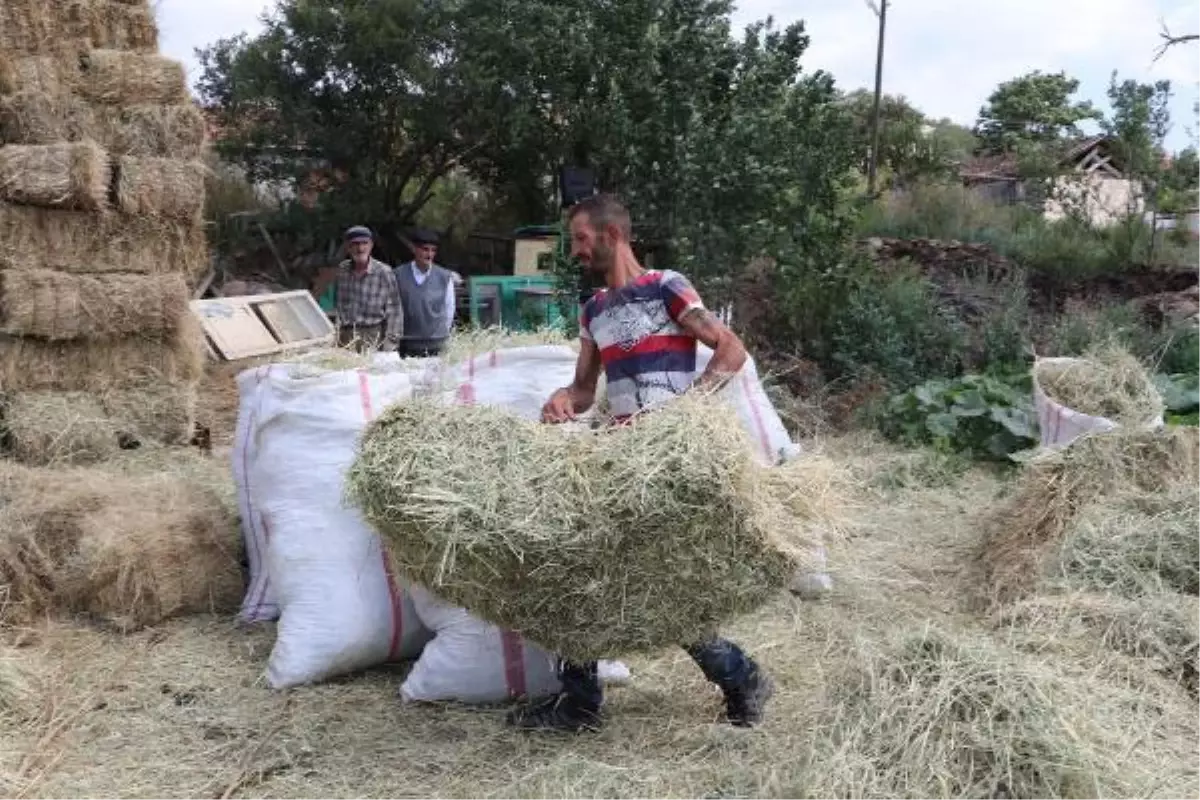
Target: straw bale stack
column 101, row 236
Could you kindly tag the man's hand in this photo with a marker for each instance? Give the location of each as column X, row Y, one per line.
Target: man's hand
column 559, row 408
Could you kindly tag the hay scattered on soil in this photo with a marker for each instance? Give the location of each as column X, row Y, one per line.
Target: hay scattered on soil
column 127, row 550
column 1107, row 382
column 591, row 544
column 941, row 715
column 116, row 77
column 161, row 187
column 158, row 131
column 16, row 688
column 70, row 241
column 67, row 176
column 33, row 365
column 60, row 306
column 53, row 428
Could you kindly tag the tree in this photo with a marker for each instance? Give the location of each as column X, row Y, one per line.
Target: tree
column 1034, row 109
column 911, row 146
column 1180, row 182
column 1137, row 127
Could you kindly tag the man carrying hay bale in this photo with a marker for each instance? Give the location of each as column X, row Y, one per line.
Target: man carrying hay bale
column 369, row 313
column 643, row 329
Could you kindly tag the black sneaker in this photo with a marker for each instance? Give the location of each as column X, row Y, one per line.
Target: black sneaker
column 744, row 705
column 556, row 713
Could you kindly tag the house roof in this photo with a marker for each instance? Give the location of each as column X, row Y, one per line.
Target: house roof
column 1004, row 166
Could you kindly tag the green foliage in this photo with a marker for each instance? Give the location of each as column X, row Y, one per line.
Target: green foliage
column 1179, row 183
column 977, row 415
column 1181, row 396
column 911, row 147
column 1035, row 108
column 1178, row 350
column 894, row 327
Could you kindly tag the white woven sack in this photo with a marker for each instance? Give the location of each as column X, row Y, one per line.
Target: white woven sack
column 1059, row 425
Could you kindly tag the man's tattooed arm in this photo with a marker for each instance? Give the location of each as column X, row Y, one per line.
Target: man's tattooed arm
column 729, row 354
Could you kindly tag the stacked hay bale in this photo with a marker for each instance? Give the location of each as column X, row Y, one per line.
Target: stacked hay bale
column 101, row 195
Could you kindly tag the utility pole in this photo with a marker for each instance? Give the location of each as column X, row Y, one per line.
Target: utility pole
column 873, row 162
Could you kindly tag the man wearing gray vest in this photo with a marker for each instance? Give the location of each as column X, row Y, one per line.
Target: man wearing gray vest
column 427, row 295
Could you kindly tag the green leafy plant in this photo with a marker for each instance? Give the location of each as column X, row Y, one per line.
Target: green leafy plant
column 1181, row 396
column 981, row 416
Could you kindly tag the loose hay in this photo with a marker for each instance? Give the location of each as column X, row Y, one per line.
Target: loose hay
column 1107, row 382
column 466, row 344
column 161, row 187
column 30, row 26
column 32, row 117
column 54, row 428
column 591, row 544
column 119, row 78
column 61, row 306
column 33, row 365
column 67, row 176
column 1024, row 531
column 70, row 241
column 17, row 695
column 128, row 550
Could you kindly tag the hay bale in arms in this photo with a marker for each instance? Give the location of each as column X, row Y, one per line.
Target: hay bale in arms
column 30, row 365
column 592, row 544
column 161, row 187
column 937, row 714
column 72, row 241
column 1056, row 486
column 68, row 176
column 59, row 306
column 45, row 428
column 130, row 550
column 115, row 77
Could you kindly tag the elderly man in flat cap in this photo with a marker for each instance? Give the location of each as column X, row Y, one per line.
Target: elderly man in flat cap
column 427, row 293
column 369, row 313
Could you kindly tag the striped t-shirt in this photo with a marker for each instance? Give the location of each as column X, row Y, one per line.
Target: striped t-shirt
column 648, row 358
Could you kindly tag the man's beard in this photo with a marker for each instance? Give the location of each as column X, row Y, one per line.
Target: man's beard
column 603, row 258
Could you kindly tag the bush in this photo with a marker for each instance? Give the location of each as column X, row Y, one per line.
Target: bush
column 895, row 328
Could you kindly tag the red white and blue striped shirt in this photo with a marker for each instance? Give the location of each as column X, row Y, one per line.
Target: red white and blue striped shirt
column 648, row 358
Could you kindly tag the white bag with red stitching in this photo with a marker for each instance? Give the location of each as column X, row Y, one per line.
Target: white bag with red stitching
column 1059, row 425
column 340, row 608
column 259, row 604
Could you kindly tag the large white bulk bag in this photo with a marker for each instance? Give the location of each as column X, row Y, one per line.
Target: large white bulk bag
column 772, row 443
column 519, row 379
column 1059, row 425
column 259, row 604
column 340, row 608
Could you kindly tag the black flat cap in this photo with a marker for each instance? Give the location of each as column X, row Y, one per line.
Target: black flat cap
column 423, row 236
column 358, row 232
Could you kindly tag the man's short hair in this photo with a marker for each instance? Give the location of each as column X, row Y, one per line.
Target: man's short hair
column 603, row 210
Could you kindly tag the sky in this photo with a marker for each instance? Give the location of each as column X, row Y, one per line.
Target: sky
column 945, row 56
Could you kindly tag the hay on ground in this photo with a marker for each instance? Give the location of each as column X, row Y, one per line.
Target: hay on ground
column 67, row 176
column 130, row 550
column 160, row 131
column 1056, row 486
column 73, row 241
column 160, row 187
column 590, row 544
column 60, row 306
column 54, row 428
column 941, row 715
column 30, row 365
column 17, row 693
column 1107, row 382
column 115, row 77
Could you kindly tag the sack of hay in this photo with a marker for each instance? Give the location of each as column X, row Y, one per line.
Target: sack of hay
column 44, row 428
column 28, row 364
column 160, row 187
column 1107, row 388
column 78, row 242
column 60, row 306
column 116, row 77
column 67, row 176
column 128, row 549
column 591, row 544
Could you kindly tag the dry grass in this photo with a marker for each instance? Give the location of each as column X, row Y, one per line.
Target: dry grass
column 475, row 342
column 60, row 306
column 32, row 117
column 64, row 176
column 33, row 365
column 126, row 547
column 505, row 517
column 161, row 187
column 35, row 238
column 1025, row 530
column 1107, row 382
column 115, row 77
column 31, row 26
column 45, row 75
column 118, row 25
column 56, row 428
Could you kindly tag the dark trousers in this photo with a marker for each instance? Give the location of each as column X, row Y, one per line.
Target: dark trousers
column 361, row 338
column 420, row 348
column 721, row 661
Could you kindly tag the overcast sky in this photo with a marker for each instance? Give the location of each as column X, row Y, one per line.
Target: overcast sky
column 945, row 56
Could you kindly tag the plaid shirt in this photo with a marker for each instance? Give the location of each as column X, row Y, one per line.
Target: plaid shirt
column 370, row 299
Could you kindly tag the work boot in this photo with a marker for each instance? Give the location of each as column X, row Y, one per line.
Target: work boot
column 744, row 704
column 553, row 714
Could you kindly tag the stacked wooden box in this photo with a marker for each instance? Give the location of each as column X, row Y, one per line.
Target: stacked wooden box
column 101, row 237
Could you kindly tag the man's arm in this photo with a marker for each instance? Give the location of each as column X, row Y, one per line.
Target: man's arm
column 450, row 309
column 729, row 354
column 577, row 398
column 393, row 310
